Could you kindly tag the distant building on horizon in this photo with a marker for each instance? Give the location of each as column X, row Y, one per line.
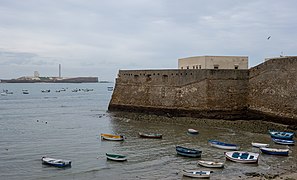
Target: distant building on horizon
column 213, row 62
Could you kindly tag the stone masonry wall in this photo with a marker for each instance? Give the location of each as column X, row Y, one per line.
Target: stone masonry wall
column 201, row 93
column 273, row 89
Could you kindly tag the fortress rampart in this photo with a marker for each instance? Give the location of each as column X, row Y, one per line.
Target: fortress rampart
column 265, row 91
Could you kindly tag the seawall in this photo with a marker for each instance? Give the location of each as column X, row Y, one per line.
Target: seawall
column 212, row 93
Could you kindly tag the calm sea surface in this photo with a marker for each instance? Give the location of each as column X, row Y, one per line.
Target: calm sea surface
column 68, row 124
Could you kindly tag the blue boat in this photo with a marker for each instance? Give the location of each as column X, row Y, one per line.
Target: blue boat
column 223, row 145
column 188, row 152
column 283, row 141
column 281, row 135
column 272, row 151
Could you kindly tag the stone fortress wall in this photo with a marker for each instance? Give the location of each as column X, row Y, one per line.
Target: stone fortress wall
column 267, row 90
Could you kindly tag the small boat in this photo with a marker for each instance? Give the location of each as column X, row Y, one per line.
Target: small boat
column 281, row 135
column 116, row 157
column 223, row 145
column 112, row 137
column 242, row 156
column 3, row 94
column 192, row 131
column 273, row 151
column 258, row 145
column 25, row 91
column 211, row 164
column 188, row 152
column 56, row 162
column 283, row 141
column 45, row 90
column 196, row 174
column 150, row 135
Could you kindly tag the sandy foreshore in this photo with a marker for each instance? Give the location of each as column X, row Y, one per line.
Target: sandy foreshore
column 286, row 176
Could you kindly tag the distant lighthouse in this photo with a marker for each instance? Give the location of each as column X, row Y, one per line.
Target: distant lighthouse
column 60, row 71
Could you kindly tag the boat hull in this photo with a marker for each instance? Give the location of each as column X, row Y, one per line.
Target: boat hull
column 222, row 145
column 242, row 157
column 196, row 174
column 192, row 131
column 281, row 135
column 270, row 151
column 116, row 157
column 188, row 152
column 283, row 141
column 111, row 137
column 211, row 164
column 151, row 135
column 56, row 162
column 259, row 145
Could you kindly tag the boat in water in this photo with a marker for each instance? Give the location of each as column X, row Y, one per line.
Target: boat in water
column 56, row 162
column 274, row 151
column 222, row 145
column 211, row 164
column 116, row 157
column 112, row 137
column 242, row 156
column 196, row 174
column 183, row 151
column 150, row 135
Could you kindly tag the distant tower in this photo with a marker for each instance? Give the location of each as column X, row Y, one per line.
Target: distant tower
column 60, row 71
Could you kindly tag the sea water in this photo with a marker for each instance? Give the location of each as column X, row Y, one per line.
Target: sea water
column 68, row 124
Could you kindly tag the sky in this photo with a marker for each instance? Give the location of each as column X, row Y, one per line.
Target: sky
column 100, row 37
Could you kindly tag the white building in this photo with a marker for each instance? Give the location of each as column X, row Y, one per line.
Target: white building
column 213, row 62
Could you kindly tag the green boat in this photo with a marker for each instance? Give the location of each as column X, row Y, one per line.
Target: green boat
column 116, row 157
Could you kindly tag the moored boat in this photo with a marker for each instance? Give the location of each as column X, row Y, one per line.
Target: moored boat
column 183, row 151
column 150, row 135
column 56, row 162
column 242, row 156
column 258, row 145
column 192, row 131
column 274, row 151
column 283, row 141
column 112, row 137
column 196, row 174
column 281, row 135
column 116, row 157
column 223, row 145
column 211, row 164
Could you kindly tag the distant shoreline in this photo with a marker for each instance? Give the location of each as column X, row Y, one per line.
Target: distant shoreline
column 55, row 80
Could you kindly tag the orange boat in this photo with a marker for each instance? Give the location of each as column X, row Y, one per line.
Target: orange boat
column 112, row 137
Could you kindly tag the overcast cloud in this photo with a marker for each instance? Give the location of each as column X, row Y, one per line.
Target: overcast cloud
column 99, row 37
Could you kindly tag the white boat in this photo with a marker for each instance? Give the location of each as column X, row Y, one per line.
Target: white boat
column 211, row 164
column 242, row 156
column 56, row 162
column 196, row 174
column 259, row 145
column 3, row 94
column 222, row 145
column 112, row 137
column 192, row 131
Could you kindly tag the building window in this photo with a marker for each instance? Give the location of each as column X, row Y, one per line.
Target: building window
column 182, row 67
column 193, row 67
column 235, row 66
column 187, row 67
column 196, row 66
column 216, row 66
column 199, row 66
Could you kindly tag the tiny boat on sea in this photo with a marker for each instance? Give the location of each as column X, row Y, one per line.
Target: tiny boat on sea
column 25, row 91
column 183, row 151
column 150, row 135
column 281, row 135
column 274, row 151
column 283, row 141
column 196, row 174
column 192, row 131
column 242, row 156
column 211, row 164
column 112, row 137
column 258, row 145
column 56, row 162
column 116, row 157
column 223, row 145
